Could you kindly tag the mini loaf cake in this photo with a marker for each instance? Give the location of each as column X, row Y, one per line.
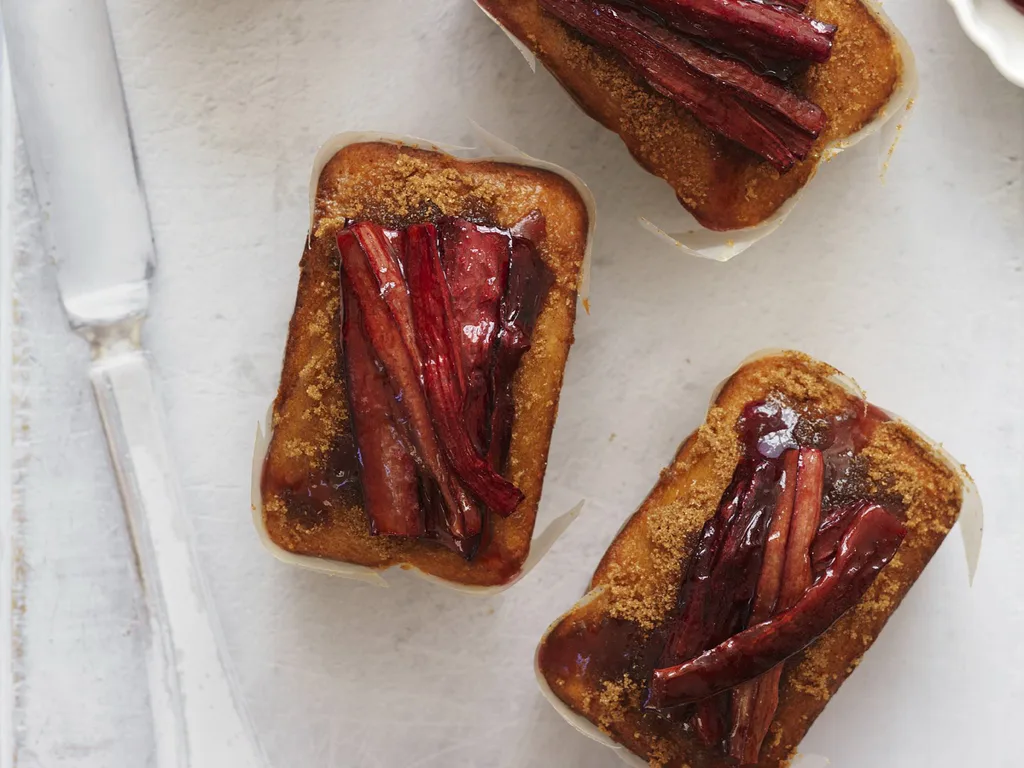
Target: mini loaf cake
column 424, row 363
column 732, row 102
column 747, row 587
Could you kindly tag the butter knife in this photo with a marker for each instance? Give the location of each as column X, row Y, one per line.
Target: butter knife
column 69, row 99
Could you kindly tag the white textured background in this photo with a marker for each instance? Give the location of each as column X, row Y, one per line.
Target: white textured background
column 914, row 286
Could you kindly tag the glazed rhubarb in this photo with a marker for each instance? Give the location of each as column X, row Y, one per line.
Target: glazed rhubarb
column 868, row 546
column 760, row 32
column 476, row 263
column 760, row 602
column 387, row 470
column 435, row 323
column 754, row 702
column 381, row 248
column 725, row 93
column 412, row 412
column 529, row 280
column 754, row 89
column 443, row 377
column 750, row 705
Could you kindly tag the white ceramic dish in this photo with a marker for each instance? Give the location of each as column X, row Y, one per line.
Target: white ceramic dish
column 996, row 27
column 493, row 149
column 971, row 526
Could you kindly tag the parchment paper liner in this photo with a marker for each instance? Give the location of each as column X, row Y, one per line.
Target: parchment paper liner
column 695, row 240
column 971, row 524
column 543, row 541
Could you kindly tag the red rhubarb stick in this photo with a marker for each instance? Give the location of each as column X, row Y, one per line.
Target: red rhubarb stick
column 476, row 263
column 533, row 227
column 687, row 637
column 830, row 533
column 734, row 541
column 529, row 280
column 733, row 585
column 769, row 586
column 746, row 27
column 796, row 579
column 435, row 335
column 385, row 337
column 810, row 484
column 737, row 570
column 868, row 546
column 750, row 700
column 772, row 100
column 714, row 105
column 379, row 245
column 387, row 471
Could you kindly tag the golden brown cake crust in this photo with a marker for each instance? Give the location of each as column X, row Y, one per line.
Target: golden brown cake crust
column 395, row 186
column 639, row 577
column 723, row 185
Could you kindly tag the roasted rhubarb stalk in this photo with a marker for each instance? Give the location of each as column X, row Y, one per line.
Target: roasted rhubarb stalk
column 386, row 339
column 830, row 533
column 733, row 583
column 754, row 703
column 436, row 321
column 726, row 95
column 387, row 472
column 379, row 246
column 689, row 635
column 749, row 702
column 443, row 382
column 715, row 598
column 476, row 263
column 529, row 280
column 871, row 542
column 753, row 89
column 758, row 32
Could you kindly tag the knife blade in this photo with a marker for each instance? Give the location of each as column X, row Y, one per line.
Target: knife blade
column 74, row 121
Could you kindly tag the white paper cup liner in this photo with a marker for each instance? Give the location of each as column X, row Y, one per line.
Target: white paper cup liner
column 492, row 149
column 691, row 238
column 971, row 524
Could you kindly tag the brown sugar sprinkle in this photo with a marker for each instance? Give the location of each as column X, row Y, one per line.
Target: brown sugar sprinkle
column 407, row 188
column 915, row 479
column 616, row 698
column 661, row 753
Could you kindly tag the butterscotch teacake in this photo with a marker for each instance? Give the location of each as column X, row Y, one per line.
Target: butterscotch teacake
column 646, row 70
column 759, row 570
column 418, row 484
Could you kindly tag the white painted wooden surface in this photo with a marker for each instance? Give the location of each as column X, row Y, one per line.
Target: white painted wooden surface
column 915, row 286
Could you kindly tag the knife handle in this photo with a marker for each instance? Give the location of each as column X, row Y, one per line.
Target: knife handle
column 198, row 720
